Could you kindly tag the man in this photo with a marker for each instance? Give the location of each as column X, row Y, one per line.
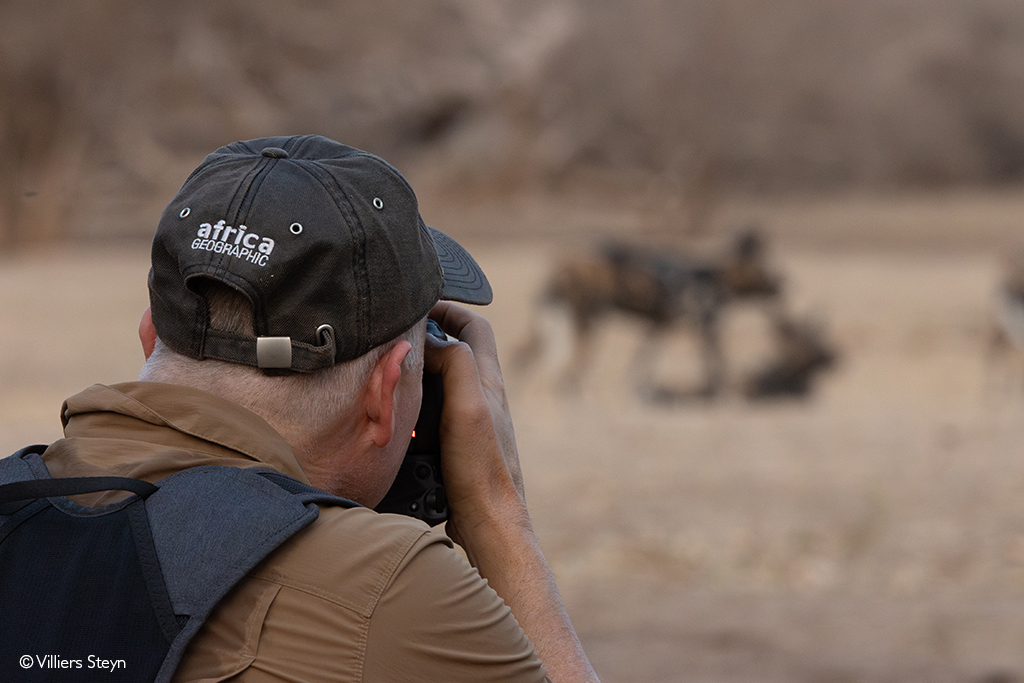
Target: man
column 291, row 280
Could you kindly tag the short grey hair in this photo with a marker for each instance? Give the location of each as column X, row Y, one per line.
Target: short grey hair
column 306, row 401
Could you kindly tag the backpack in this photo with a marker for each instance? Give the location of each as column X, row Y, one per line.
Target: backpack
column 116, row 593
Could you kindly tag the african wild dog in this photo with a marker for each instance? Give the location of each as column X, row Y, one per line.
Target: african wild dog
column 662, row 289
column 801, row 353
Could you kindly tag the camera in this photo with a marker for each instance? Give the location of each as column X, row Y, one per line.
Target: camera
column 418, row 490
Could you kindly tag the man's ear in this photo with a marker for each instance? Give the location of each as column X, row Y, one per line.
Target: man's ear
column 380, row 393
column 147, row 332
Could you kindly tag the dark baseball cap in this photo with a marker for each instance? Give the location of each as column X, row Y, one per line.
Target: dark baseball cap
column 326, row 242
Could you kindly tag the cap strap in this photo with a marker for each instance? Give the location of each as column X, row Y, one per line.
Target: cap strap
column 270, row 352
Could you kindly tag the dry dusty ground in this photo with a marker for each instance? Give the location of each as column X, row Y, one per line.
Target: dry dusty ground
column 872, row 533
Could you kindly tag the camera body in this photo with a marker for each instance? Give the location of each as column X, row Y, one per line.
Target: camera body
column 418, row 490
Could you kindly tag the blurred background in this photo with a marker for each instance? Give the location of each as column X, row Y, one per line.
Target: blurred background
column 864, row 523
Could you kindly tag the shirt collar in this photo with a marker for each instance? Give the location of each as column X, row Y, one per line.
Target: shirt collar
column 211, row 421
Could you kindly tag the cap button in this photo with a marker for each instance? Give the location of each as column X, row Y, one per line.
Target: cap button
column 274, row 153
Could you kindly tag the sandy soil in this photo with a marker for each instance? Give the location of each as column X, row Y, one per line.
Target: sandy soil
column 874, row 532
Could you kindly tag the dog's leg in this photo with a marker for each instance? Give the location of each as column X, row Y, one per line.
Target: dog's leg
column 711, row 355
column 580, row 355
column 530, row 349
column 644, row 361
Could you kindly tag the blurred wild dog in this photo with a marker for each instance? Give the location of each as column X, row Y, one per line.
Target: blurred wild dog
column 801, row 353
column 662, row 289
column 1006, row 339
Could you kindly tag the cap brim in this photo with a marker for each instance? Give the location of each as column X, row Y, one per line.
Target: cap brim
column 464, row 281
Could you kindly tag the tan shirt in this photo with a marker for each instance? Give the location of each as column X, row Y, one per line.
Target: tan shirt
column 356, row 596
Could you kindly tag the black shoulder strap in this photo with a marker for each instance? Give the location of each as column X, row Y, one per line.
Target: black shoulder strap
column 26, row 491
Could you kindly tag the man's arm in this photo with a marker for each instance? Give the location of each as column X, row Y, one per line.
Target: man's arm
column 484, row 485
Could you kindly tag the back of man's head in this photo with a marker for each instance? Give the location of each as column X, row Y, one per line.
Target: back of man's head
column 299, row 405
column 284, row 266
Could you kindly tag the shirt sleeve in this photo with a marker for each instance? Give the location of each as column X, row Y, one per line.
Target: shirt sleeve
column 438, row 620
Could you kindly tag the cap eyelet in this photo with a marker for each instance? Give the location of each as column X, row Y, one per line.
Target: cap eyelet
column 325, row 335
column 185, row 212
column 296, row 228
column 378, row 203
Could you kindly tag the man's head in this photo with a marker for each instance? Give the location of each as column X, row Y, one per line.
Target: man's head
column 292, row 275
column 324, row 240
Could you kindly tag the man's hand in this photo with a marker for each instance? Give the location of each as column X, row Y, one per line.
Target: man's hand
column 484, row 484
column 482, row 477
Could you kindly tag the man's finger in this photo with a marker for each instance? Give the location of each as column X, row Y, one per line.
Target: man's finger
column 454, row 361
column 471, row 328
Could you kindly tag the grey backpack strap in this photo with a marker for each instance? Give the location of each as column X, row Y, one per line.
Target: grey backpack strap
column 16, row 467
column 205, row 528
column 212, row 525
column 304, row 492
column 25, row 465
